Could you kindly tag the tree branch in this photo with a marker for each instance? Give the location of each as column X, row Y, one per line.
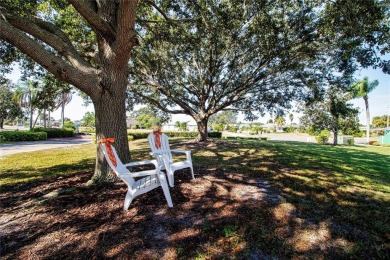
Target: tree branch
column 125, row 28
column 49, row 34
column 47, row 59
column 158, row 103
column 99, row 25
column 155, row 6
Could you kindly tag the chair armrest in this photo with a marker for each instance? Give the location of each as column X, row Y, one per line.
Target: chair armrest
column 138, row 163
column 187, row 152
column 163, row 156
column 180, row 151
column 160, row 152
column 142, row 173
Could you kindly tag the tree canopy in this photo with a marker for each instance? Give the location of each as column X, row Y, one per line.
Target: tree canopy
column 252, row 56
column 380, row 121
column 333, row 113
column 148, row 116
column 9, row 107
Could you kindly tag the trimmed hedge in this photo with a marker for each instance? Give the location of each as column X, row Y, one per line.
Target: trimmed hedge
column 55, row 132
column 87, row 130
column 134, row 135
column 12, row 136
column 215, row 134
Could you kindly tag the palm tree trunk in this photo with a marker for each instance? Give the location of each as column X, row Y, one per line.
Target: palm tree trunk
column 31, row 111
column 36, row 119
column 44, row 119
column 48, row 119
column 367, row 118
column 62, row 114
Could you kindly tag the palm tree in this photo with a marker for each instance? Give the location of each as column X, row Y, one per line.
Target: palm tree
column 279, row 121
column 62, row 100
column 291, row 118
column 26, row 94
column 360, row 90
column 59, row 94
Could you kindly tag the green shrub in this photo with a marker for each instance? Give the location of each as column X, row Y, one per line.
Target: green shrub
column 232, row 129
column 217, row 127
column 13, row 136
column 86, row 130
column 69, row 124
column 350, row 141
column 311, row 131
column 323, row 137
column 55, row 132
column 359, row 133
column 214, row 134
column 138, row 134
column 191, row 134
column 289, row 129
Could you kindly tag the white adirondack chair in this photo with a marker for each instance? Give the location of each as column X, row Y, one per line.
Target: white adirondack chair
column 163, row 155
column 150, row 179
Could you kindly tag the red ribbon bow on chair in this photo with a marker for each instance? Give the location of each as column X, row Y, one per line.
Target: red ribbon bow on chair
column 107, row 142
column 157, row 136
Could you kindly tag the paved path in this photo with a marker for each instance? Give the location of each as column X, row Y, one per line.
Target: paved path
column 21, row 147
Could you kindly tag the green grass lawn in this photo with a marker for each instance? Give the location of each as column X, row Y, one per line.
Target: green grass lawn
column 342, row 192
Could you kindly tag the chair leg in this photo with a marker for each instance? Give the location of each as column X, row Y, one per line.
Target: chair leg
column 170, row 179
column 192, row 172
column 128, row 200
column 167, row 194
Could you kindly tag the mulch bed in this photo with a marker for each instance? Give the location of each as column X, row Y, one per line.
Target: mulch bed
column 61, row 218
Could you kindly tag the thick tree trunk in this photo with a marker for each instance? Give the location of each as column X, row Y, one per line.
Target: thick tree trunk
column 367, row 118
column 202, row 129
column 335, row 137
column 104, row 81
column 110, row 121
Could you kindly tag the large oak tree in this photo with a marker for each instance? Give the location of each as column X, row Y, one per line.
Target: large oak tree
column 86, row 43
column 253, row 56
column 238, row 55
